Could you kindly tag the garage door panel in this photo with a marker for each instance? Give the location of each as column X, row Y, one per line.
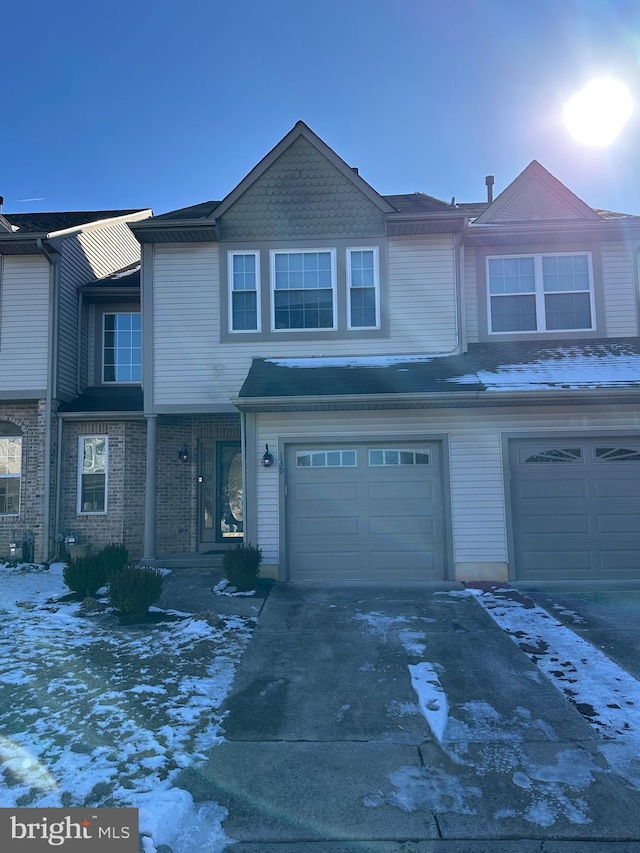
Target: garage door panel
column 627, row 487
column 555, row 523
column 333, row 525
column 557, row 560
column 401, row 526
column 327, row 490
column 619, row 523
column 416, row 562
column 613, row 562
column 537, row 489
column 405, row 491
column 378, row 519
column 580, row 518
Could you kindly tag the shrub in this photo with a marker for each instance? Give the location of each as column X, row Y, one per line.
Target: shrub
column 133, row 590
column 85, row 575
column 114, row 558
column 241, row 566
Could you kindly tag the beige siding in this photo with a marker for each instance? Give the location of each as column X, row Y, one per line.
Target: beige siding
column 188, row 363
column 85, row 256
column 619, row 289
column 422, row 305
column 193, row 367
column 476, row 476
column 24, row 316
column 471, row 296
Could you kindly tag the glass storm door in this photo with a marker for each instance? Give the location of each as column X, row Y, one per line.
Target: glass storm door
column 220, row 493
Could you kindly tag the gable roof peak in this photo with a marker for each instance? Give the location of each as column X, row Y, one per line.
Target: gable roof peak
column 301, row 129
column 536, row 194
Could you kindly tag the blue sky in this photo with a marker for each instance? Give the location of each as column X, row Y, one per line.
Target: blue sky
column 160, row 103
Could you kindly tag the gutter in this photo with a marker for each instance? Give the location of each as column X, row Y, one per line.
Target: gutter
column 53, row 259
column 444, row 399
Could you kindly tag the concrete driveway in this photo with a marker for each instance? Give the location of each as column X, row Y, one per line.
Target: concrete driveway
column 329, row 750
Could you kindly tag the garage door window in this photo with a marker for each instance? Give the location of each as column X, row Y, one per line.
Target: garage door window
column 617, row 454
column 390, row 456
column 326, row 459
column 556, row 454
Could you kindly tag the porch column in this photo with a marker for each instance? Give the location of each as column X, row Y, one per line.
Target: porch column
column 150, row 490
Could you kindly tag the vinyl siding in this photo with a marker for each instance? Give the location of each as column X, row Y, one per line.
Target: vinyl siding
column 85, row 257
column 471, row 296
column 478, row 503
column 186, row 320
column 24, row 316
column 619, row 289
column 193, row 367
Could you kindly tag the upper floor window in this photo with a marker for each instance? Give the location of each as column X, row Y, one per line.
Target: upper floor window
column 122, row 351
column 10, row 474
column 304, row 284
column 362, row 280
column 244, row 287
column 540, row 293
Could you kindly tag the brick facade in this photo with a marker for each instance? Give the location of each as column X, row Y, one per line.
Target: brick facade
column 177, row 488
column 29, row 420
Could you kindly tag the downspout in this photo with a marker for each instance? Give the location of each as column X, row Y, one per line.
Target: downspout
column 460, row 291
column 53, row 259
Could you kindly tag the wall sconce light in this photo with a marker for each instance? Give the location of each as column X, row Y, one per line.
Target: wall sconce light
column 183, row 454
column 267, row 459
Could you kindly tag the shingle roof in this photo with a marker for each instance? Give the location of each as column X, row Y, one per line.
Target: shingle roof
column 417, row 203
column 47, row 223
column 195, row 211
column 126, row 398
column 494, row 367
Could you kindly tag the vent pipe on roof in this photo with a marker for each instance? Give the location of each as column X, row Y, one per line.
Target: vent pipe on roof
column 1, row 202
column 489, row 181
column 355, row 169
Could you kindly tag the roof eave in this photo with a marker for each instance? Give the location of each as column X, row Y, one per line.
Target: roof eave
column 176, row 231
column 440, row 399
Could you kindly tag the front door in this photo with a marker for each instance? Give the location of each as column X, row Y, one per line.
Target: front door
column 219, row 494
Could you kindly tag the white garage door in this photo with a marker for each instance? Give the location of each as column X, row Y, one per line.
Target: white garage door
column 576, row 508
column 365, row 512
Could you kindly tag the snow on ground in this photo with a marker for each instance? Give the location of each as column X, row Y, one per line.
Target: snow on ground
column 96, row 713
column 546, row 782
column 604, row 693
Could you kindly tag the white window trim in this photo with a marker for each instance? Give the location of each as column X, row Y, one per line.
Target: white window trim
column 334, row 280
column 376, row 283
column 79, row 510
column 102, row 362
column 539, row 293
column 17, row 477
column 231, row 291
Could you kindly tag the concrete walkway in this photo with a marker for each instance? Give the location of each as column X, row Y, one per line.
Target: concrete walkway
column 327, row 750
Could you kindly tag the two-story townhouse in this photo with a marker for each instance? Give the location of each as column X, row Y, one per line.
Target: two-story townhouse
column 44, row 258
column 392, row 388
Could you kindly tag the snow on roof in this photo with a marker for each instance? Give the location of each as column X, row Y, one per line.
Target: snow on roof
column 350, row 361
column 562, row 367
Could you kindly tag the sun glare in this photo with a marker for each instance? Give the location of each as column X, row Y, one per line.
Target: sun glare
column 598, row 112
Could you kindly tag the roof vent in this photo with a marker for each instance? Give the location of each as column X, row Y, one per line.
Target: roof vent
column 1, row 202
column 355, row 169
column 489, row 181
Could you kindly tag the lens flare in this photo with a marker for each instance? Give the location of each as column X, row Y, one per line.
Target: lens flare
column 597, row 113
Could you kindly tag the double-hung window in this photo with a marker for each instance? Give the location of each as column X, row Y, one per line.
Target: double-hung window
column 92, row 473
column 363, row 288
column 540, row 293
column 10, row 474
column 304, row 287
column 122, row 347
column 244, row 291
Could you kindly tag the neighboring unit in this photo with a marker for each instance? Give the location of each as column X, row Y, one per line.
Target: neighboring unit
column 44, row 257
